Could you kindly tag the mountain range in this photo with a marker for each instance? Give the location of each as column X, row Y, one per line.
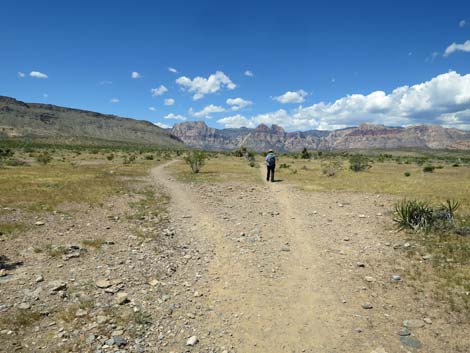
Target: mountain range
column 53, row 123
column 199, row 135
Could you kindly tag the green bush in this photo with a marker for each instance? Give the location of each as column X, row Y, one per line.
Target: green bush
column 195, row 160
column 44, row 158
column 284, row 165
column 331, row 167
column 305, row 154
column 429, row 168
column 407, row 174
column 359, row 163
column 110, row 157
column 149, row 157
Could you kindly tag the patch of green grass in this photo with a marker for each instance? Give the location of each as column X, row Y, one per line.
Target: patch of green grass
column 12, row 228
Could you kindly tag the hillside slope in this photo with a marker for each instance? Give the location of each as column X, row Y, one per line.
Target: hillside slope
column 54, row 123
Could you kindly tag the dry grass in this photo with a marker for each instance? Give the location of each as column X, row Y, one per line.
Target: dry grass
column 219, row 169
column 11, row 229
column 385, row 178
column 44, row 188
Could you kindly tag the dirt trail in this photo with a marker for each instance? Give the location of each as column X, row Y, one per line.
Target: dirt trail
column 290, row 271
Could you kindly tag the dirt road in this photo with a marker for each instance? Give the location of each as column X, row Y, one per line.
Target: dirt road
column 291, row 271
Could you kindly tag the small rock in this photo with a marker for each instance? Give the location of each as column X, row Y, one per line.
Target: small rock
column 101, row 319
column 103, row 283
column 367, row 306
column 56, row 286
column 360, row 264
column 396, row 277
column 39, row 279
column 119, row 341
column 285, row 248
column 24, row 306
column 3, row 272
column 197, row 294
column 153, row 282
column 379, row 350
column 81, row 313
column 90, row 339
column 193, row 340
column 427, row 320
column 39, row 223
column 122, row 298
column 413, row 323
column 369, row 279
column 404, row 332
column 410, row 341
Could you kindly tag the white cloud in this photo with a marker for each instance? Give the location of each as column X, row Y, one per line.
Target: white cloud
column 38, row 74
column 21, row 74
column 292, row 97
column 207, row 111
column 152, row 109
column 248, row 73
column 162, row 125
column 172, row 116
column 169, row 101
column 201, row 86
column 462, row 23
column 238, row 103
column 159, row 90
column 136, row 74
column 465, row 47
column 172, row 69
column 103, row 83
column 114, row 100
column 443, row 100
column 236, row 121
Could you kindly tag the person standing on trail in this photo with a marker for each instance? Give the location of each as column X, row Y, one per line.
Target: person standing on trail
column 271, row 165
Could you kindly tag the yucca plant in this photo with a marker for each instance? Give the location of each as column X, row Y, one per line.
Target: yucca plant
column 413, row 214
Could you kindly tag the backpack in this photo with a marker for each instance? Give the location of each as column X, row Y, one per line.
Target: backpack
column 270, row 159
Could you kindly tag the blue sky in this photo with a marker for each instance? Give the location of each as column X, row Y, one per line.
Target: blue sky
column 300, row 64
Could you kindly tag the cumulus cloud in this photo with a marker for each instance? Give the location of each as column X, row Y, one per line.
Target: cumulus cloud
column 136, row 74
column 21, row 74
column 37, row 74
column 172, row 116
column 454, row 47
column 292, row 97
column 172, row 69
column 248, row 73
column 462, row 23
column 159, row 90
column 238, row 103
column 169, row 101
column 152, row 109
column 236, row 121
column 201, row 86
column 443, row 100
column 114, row 100
column 207, row 111
column 162, row 125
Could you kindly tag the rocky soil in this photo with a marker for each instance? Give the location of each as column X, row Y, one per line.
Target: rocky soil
column 225, row 267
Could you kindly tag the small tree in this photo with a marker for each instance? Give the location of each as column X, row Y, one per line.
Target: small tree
column 359, row 163
column 195, row 159
column 4, row 154
column 305, row 154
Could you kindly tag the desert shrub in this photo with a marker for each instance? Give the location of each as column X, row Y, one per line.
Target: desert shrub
column 239, row 152
column 130, row 159
column 13, row 162
column 331, row 167
column 149, row 157
column 195, row 160
column 455, row 165
column 284, row 166
column 305, row 154
column 428, row 168
column 359, row 163
column 419, row 215
column 44, row 158
column 110, row 157
column 407, row 174
column 252, row 163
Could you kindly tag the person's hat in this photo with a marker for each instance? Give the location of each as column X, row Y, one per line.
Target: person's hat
column 270, row 150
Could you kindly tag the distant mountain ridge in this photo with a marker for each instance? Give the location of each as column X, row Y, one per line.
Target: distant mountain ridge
column 51, row 122
column 199, row 135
